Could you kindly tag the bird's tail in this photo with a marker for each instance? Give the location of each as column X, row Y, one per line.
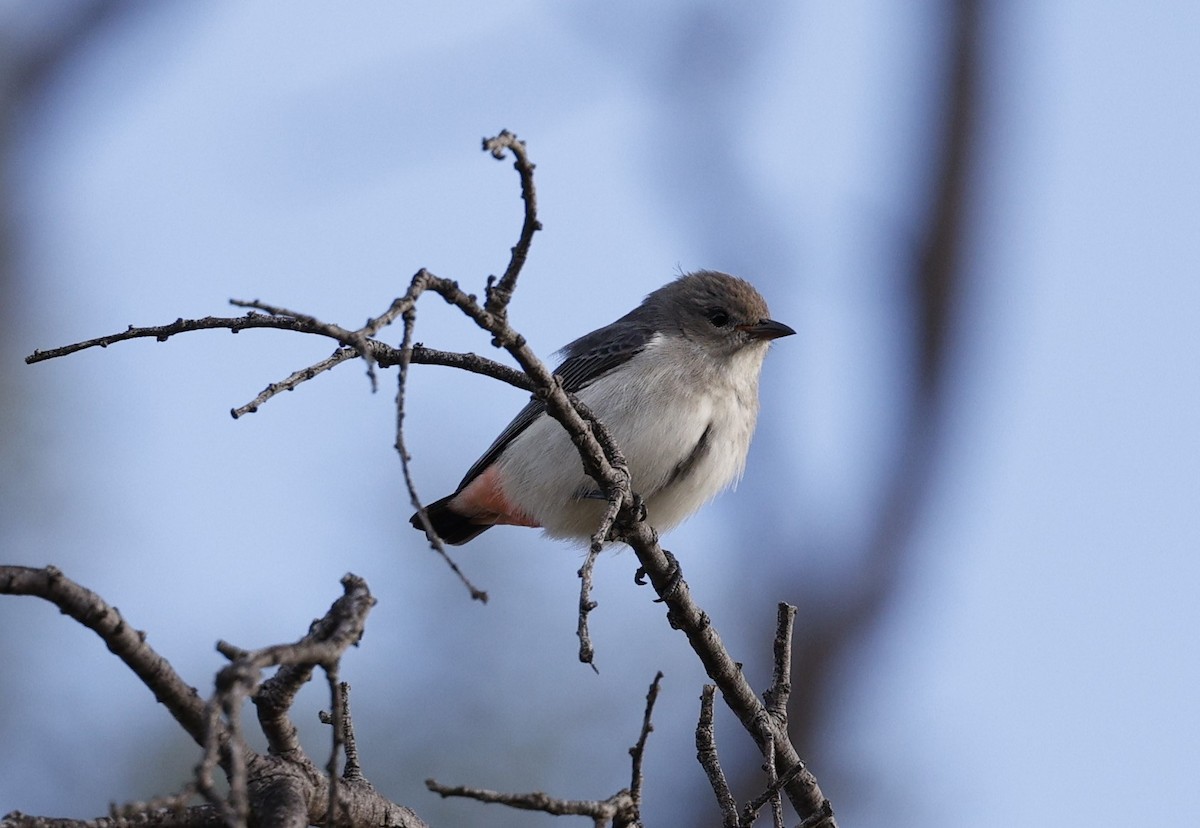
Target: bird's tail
column 451, row 526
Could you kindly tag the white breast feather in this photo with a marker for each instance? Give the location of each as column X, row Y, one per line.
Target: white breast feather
column 657, row 413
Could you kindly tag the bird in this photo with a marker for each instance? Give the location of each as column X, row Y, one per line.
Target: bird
column 675, row 381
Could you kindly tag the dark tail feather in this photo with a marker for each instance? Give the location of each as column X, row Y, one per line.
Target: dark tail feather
column 452, row 527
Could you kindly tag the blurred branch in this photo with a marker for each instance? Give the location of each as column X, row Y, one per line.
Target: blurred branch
column 37, row 40
column 32, row 63
column 934, row 286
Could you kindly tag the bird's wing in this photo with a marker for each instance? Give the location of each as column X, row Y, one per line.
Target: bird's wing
column 588, row 358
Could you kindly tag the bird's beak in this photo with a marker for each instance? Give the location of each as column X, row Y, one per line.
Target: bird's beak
column 766, row 329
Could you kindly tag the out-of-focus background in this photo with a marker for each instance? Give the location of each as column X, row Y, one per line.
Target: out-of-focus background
column 982, row 488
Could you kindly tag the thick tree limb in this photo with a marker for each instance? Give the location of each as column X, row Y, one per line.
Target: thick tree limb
column 128, row 644
column 283, row 788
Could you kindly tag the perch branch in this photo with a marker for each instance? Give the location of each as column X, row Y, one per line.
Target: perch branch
column 683, row 613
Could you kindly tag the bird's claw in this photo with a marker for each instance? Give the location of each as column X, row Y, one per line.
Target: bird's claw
column 674, row 578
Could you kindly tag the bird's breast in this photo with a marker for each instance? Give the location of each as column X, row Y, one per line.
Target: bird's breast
column 682, row 419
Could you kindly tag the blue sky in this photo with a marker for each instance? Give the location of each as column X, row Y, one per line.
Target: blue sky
column 1040, row 653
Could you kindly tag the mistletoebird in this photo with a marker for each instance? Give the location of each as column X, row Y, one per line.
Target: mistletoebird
column 675, row 380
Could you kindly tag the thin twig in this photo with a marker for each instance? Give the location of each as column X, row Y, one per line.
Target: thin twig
column 474, row 363
column 291, row 381
column 621, row 810
column 706, row 753
column 337, row 706
column 683, row 613
column 435, row 542
column 639, row 749
column 353, row 339
column 353, row 771
column 394, row 312
column 499, row 293
column 230, row 705
column 771, row 794
column 778, row 695
column 601, row 810
column 163, row 332
column 210, row 758
column 772, row 778
column 323, row 645
column 587, row 651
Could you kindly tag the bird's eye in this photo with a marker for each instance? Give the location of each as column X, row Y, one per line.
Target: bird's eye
column 717, row 316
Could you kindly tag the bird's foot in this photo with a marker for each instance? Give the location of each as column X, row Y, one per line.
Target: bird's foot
column 674, row 578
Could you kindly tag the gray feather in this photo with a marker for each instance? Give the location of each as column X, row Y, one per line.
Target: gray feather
column 588, row 358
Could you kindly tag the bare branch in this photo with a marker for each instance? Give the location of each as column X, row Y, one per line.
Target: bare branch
column 353, row 771
column 587, row 651
column 778, row 695
column 473, row 363
column 354, row 339
column 175, row 803
column 435, row 543
column 338, row 721
column 682, row 612
column 128, row 644
column 289, row 384
column 603, row 811
column 202, row 816
column 326, row 641
column 284, row 788
column 621, row 810
column 379, row 353
column 500, row 293
column 638, row 750
column 706, row 753
column 163, row 332
column 771, row 794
